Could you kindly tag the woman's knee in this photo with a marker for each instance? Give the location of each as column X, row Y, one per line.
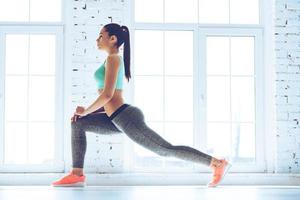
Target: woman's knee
column 161, row 150
column 78, row 124
column 165, row 152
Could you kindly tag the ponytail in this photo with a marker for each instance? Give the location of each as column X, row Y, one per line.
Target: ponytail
column 122, row 33
column 126, row 39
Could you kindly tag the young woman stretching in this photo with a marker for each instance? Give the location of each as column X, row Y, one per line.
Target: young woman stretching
column 120, row 117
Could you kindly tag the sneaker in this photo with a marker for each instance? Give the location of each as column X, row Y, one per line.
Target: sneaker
column 219, row 173
column 70, row 180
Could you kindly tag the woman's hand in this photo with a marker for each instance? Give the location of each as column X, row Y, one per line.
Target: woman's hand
column 80, row 112
column 74, row 118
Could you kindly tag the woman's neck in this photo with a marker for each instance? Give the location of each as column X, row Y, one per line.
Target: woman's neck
column 112, row 52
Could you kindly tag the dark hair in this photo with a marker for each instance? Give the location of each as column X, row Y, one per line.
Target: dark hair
column 122, row 33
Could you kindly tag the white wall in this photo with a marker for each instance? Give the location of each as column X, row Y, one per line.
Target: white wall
column 287, row 63
column 87, row 17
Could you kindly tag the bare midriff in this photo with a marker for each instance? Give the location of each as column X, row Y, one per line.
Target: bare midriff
column 114, row 103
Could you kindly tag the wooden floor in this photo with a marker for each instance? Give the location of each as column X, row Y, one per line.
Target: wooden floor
column 150, row 192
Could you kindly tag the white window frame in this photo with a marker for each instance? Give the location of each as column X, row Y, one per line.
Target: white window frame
column 169, row 27
column 58, row 165
column 259, row 85
column 263, row 163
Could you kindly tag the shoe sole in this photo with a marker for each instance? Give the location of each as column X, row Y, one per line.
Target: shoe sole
column 225, row 172
column 79, row 184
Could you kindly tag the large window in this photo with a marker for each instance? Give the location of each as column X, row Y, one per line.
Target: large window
column 31, row 92
column 197, row 77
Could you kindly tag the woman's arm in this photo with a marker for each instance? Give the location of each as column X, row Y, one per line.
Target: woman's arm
column 110, row 79
column 98, row 104
column 100, row 110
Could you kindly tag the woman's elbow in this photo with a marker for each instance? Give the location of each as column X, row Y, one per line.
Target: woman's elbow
column 107, row 95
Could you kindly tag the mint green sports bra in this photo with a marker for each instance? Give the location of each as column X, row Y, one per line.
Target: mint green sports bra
column 99, row 75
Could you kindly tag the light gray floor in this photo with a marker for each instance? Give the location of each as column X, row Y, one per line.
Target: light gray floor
column 150, row 192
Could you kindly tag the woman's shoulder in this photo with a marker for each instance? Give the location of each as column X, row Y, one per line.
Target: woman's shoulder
column 114, row 58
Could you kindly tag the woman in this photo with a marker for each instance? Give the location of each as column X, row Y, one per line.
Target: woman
column 115, row 116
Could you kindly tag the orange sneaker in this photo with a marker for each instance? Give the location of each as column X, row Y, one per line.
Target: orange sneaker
column 70, row 180
column 219, row 173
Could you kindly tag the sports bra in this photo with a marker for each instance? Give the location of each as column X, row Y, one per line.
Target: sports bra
column 99, row 75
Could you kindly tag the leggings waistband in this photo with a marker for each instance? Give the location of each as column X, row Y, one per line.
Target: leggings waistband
column 122, row 107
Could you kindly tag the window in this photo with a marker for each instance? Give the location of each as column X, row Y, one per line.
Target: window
column 197, row 76
column 194, row 11
column 30, row 10
column 30, row 95
column 234, row 96
column 161, row 80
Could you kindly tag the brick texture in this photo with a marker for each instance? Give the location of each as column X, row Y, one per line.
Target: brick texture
column 287, row 48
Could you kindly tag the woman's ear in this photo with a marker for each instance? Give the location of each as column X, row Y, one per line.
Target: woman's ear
column 113, row 38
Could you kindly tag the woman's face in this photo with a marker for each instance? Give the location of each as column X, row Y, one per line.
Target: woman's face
column 104, row 41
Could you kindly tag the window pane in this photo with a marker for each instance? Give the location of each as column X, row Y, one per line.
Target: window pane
column 244, row 12
column 181, row 11
column 243, row 140
column 14, row 10
column 41, row 143
column 179, row 102
column 42, row 54
column 217, row 55
column 179, row 53
column 243, row 99
column 148, row 53
column 142, row 151
column 218, row 99
column 242, row 62
column 179, row 133
column 149, row 96
column 41, row 98
column 16, row 47
column 214, row 11
column 45, row 10
column 218, row 139
column 149, row 11
column 16, row 98
column 15, row 150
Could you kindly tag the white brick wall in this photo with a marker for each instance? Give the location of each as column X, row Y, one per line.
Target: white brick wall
column 104, row 153
column 287, row 48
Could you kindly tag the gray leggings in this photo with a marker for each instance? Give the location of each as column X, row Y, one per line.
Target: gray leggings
column 128, row 119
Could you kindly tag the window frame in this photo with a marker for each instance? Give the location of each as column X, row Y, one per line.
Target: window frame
column 162, row 27
column 58, row 165
column 259, row 85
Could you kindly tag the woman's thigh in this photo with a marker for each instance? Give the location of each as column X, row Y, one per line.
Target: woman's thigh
column 97, row 123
